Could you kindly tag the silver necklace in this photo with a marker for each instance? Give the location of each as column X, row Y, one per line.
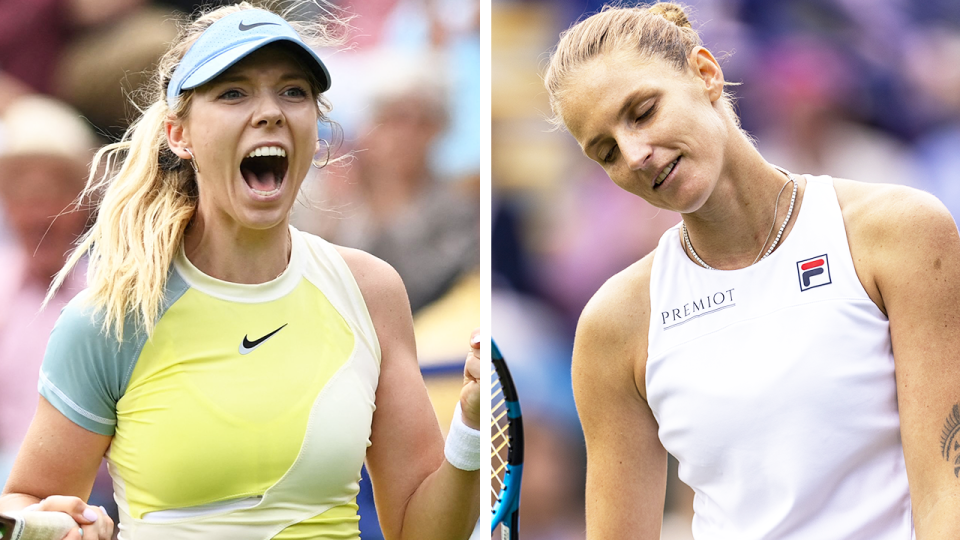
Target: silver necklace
column 793, row 199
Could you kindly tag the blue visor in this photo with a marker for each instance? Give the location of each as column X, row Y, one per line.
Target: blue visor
column 231, row 39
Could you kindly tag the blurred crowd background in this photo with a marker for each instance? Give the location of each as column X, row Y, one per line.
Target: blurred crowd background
column 862, row 89
column 406, row 92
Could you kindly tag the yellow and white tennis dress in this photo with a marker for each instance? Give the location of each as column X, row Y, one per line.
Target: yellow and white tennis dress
column 247, row 414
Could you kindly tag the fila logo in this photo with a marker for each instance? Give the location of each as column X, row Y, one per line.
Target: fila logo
column 814, row 272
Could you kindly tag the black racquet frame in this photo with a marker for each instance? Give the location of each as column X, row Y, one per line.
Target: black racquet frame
column 506, row 429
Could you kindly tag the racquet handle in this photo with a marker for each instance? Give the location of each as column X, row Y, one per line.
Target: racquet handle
column 35, row 525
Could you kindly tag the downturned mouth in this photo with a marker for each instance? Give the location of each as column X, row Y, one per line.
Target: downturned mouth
column 264, row 169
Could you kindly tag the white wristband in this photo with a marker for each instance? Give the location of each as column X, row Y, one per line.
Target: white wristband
column 462, row 448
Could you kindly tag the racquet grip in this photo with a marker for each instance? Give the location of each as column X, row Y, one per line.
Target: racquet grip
column 36, row 525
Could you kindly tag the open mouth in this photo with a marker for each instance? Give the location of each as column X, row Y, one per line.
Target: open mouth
column 665, row 173
column 264, row 169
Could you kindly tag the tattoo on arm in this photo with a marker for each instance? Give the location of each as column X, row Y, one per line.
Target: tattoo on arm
column 949, row 442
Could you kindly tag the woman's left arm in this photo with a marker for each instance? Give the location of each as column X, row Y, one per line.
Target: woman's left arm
column 419, row 494
column 912, row 252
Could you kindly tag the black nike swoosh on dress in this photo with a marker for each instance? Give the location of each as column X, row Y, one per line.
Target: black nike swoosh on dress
column 248, row 346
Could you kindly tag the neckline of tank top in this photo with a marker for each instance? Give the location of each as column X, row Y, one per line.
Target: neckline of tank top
column 793, row 199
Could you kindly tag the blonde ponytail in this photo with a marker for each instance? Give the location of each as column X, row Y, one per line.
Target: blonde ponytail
column 140, row 223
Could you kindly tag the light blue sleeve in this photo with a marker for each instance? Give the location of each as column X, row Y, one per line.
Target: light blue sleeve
column 85, row 371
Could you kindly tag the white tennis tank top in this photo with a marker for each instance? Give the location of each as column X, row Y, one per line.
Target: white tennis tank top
column 773, row 385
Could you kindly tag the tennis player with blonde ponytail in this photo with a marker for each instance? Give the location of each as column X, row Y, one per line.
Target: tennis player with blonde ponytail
column 236, row 372
column 794, row 341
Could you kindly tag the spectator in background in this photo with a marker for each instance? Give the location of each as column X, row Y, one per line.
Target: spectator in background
column 83, row 50
column 89, row 53
column 935, row 71
column 810, row 115
column 392, row 204
column 43, row 166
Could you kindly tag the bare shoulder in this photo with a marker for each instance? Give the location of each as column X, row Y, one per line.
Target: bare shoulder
column 615, row 306
column 895, row 232
column 881, row 210
column 611, row 339
column 378, row 281
column 386, row 299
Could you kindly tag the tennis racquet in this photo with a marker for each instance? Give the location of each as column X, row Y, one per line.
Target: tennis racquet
column 506, row 448
column 35, row 525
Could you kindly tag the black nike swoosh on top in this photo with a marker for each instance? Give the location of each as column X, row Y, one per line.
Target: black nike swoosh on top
column 247, row 346
column 245, row 27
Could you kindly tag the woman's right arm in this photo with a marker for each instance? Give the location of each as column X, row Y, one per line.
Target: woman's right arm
column 626, row 464
column 55, row 468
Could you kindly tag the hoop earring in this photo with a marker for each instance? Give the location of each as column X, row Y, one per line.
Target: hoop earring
column 193, row 162
column 316, row 162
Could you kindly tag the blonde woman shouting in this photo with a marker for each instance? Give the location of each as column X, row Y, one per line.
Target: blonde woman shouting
column 236, row 372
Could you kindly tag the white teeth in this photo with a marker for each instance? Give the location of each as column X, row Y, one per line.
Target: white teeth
column 665, row 172
column 268, row 151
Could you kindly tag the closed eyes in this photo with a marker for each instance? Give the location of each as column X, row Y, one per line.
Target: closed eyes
column 610, row 155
